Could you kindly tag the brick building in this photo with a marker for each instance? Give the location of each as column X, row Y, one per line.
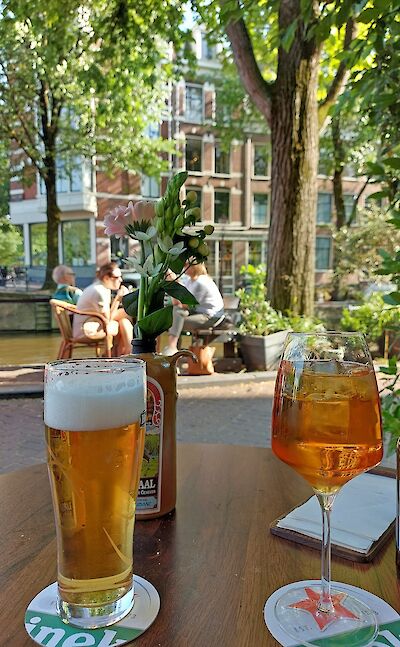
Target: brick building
column 233, row 192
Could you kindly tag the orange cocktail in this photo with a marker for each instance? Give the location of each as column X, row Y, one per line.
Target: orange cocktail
column 326, row 421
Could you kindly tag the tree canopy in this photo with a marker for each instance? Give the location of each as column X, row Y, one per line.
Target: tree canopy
column 84, row 80
column 294, row 58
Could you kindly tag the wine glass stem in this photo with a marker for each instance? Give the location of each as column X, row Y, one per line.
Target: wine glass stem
column 326, row 502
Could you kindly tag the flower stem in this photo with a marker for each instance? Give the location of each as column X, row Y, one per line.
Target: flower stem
column 141, row 310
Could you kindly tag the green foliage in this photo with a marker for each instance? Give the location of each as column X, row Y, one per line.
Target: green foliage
column 301, row 323
column 11, row 243
column 390, row 404
column 359, row 249
column 258, row 317
column 370, row 318
column 84, row 80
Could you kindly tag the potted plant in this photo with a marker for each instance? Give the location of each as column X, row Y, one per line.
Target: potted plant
column 262, row 329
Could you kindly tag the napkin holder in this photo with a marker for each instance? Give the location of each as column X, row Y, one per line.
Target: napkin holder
column 338, row 551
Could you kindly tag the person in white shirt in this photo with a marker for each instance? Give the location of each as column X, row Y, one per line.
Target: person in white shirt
column 209, row 309
column 97, row 297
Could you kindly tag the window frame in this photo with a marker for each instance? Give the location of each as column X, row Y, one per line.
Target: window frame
column 31, row 255
column 228, row 193
column 267, row 214
column 150, row 179
column 346, row 216
column 324, row 222
column 197, row 118
column 217, row 147
column 63, row 255
column 329, row 267
column 268, row 159
column 194, row 139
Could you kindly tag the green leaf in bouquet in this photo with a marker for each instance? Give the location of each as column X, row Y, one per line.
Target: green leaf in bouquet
column 178, row 291
column 177, row 264
column 156, row 322
column 392, row 299
column 130, row 302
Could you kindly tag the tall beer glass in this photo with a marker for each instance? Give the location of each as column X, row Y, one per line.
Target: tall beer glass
column 94, row 415
column 327, row 426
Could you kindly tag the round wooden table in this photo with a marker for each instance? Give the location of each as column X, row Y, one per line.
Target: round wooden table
column 213, row 561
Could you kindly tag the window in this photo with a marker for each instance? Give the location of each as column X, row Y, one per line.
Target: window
column 207, row 50
column 198, row 196
column 210, row 262
column 322, row 253
column 324, row 208
column 261, row 159
column 76, row 242
column 150, row 187
column 260, row 209
column 256, row 252
column 324, row 162
column 348, row 201
column 193, row 154
column 194, row 103
column 225, row 258
column 221, row 206
column 75, row 179
column 69, row 176
column 152, row 131
column 222, row 160
column 223, row 111
column 38, row 238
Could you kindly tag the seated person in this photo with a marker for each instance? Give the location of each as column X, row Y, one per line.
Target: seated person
column 66, row 290
column 209, row 309
column 97, row 297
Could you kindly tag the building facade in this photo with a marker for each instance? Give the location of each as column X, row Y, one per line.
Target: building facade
column 233, row 189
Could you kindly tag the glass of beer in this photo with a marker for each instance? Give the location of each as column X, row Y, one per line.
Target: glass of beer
column 326, row 425
column 94, row 413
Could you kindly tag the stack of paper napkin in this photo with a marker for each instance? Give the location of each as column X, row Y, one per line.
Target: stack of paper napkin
column 363, row 510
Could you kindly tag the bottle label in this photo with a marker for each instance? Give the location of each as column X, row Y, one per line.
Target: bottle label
column 149, row 494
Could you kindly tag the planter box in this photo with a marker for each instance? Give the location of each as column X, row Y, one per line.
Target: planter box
column 262, row 353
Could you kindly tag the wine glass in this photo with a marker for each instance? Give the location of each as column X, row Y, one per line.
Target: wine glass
column 326, row 425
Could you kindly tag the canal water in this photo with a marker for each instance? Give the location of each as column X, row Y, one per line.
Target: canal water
column 38, row 348
column 33, row 348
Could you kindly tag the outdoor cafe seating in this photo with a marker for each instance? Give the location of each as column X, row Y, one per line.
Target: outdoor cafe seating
column 62, row 313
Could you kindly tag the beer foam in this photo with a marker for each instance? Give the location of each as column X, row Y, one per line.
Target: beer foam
column 79, row 398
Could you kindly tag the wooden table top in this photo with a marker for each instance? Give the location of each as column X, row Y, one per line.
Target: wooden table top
column 213, row 561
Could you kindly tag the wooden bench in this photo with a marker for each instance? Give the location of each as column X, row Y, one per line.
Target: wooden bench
column 224, row 330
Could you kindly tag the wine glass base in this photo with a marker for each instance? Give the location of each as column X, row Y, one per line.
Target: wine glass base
column 298, row 615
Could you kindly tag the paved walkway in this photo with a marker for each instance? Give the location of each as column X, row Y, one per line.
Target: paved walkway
column 222, row 408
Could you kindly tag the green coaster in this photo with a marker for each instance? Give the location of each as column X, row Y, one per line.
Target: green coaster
column 45, row 627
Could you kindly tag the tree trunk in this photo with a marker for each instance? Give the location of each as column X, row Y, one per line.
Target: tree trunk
column 294, row 139
column 53, row 219
column 339, row 160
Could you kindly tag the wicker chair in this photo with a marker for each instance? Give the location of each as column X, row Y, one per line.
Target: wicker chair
column 62, row 312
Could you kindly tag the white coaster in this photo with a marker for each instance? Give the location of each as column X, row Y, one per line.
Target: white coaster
column 43, row 624
column 385, row 613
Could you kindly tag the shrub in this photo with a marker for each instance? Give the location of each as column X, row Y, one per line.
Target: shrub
column 370, row 318
column 258, row 317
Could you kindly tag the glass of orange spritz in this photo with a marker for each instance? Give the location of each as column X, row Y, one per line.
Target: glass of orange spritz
column 327, row 426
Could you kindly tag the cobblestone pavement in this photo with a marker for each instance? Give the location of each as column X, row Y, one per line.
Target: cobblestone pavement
column 237, row 414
